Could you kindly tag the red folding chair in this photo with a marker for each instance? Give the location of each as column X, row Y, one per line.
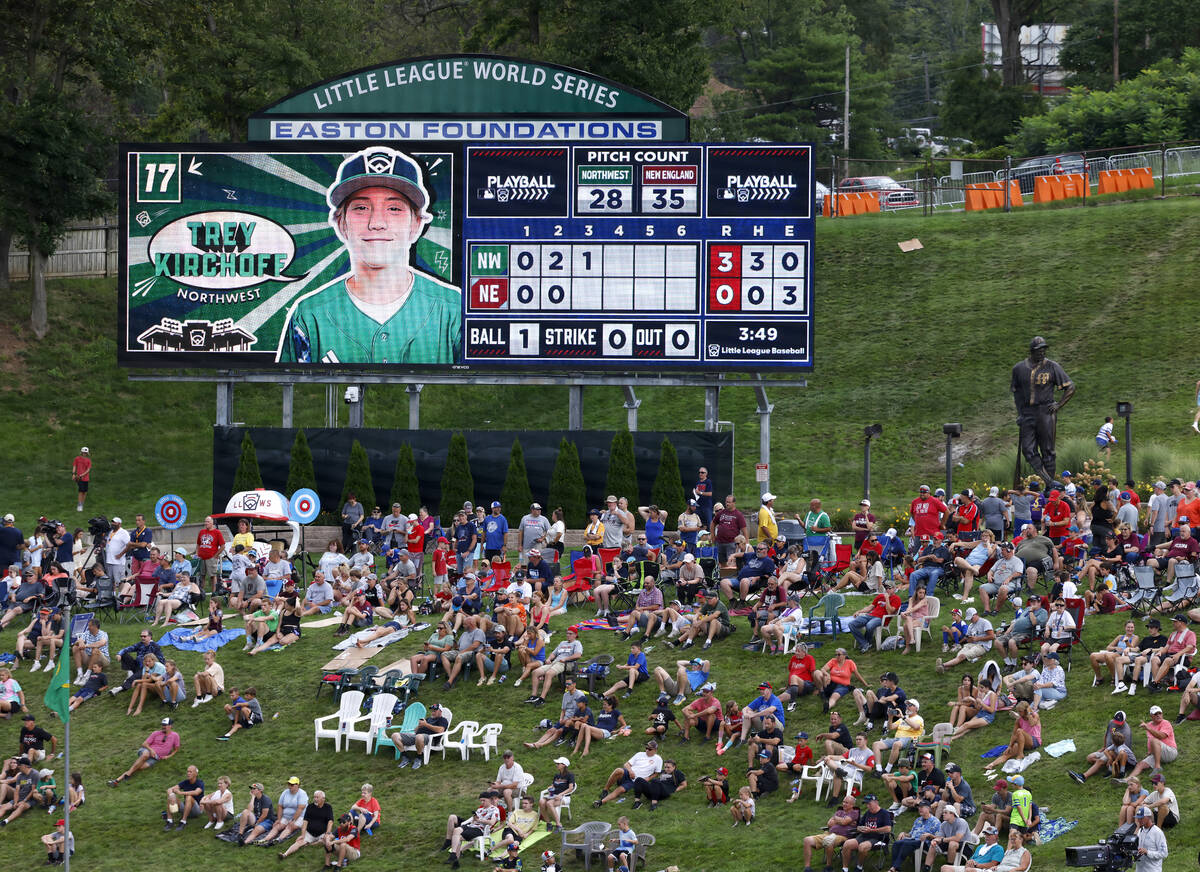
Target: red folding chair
column 608, row 555
column 583, row 575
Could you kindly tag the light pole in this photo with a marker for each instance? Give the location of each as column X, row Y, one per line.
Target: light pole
column 870, row 431
column 1125, row 410
column 952, row 431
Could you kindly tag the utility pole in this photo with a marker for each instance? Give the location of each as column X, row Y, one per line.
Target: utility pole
column 1116, row 44
column 928, row 101
column 846, row 107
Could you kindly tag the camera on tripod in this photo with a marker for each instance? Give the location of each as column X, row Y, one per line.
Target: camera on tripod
column 99, row 527
column 1116, row 853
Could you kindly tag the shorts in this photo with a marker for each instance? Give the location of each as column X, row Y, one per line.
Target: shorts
column 604, row 734
column 470, row 833
column 1101, row 442
column 987, row 717
column 1170, row 821
column 1166, row 753
column 149, row 759
column 839, row 689
column 86, row 693
column 82, row 484
column 804, row 688
column 352, row 853
column 972, row 651
column 831, row 840
column 627, row 783
column 489, row 553
column 1012, row 637
column 553, row 669
column 902, row 741
column 310, row 839
column 489, row 664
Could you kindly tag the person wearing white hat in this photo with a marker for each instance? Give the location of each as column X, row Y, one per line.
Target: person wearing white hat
column 81, row 473
column 863, row 523
column 1152, row 844
column 768, row 524
column 114, row 551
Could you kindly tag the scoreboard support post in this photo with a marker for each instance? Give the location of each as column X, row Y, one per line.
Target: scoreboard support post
column 575, row 408
column 632, row 404
column 712, row 407
column 414, row 406
column 765, row 408
column 224, row 403
column 286, row 414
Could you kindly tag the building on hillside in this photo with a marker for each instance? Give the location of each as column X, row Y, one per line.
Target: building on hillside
column 1040, row 47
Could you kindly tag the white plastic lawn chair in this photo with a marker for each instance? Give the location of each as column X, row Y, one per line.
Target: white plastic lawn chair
column 349, row 706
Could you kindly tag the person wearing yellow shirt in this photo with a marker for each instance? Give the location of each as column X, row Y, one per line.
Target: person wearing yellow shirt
column 593, row 533
column 243, row 536
column 768, row 527
column 908, row 728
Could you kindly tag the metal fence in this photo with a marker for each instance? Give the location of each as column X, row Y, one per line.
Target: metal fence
column 88, row 249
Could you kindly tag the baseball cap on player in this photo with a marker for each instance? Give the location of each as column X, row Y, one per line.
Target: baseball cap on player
column 379, row 166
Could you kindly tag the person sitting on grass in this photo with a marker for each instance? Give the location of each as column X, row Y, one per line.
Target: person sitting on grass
column 661, row 717
column 218, row 805
column 292, row 804
column 162, row 744
column 183, row 798
column 982, row 711
column 978, row 641
column 258, row 818
column 706, row 709
column 996, row 810
column 763, row 776
column 173, row 689
column 835, row 678
column 245, row 713
column 97, row 683
column 690, row 675
column 46, row 789
column 318, row 825
column 1160, row 742
column 58, row 843
column 624, row 851
column 1026, row 736
column 1115, row 753
column 1132, row 799
column 210, row 681
column 643, row 764
column 288, row 630
column 44, row 631
column 149, row 684
column 359, row 614
column 462, row 831
column 754, row 714
column 660, row 787
column 366, row 811
column 568, row 714
column 711, row 622
column 716, row 787
column 519, row 825
column 262, row 622
column 570, row 650
column 635, row 672
column 22, row 793
column 610, row 722
column 742, row 808
column 343, row 845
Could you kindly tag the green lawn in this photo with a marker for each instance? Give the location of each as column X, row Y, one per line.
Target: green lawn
column 416, row 804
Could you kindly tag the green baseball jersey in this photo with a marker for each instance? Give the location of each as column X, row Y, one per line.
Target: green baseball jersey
column 326, row 327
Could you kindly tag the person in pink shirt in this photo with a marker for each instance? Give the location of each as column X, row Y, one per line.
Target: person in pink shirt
column 1160, row 742
column 1180, row 643
column 162, row 744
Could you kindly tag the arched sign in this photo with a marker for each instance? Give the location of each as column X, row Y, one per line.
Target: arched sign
column 477, row 98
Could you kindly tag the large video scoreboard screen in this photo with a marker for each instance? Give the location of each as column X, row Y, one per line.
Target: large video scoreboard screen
column 581, row 256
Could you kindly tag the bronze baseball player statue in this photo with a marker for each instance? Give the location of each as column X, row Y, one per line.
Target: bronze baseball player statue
column 1034, row 383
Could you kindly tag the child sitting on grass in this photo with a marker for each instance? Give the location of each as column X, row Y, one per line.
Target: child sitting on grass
column 954, row 632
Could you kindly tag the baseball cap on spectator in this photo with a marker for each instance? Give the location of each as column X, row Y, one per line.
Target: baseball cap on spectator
column 593, row 512
column 1180, row 617
column 1155, row 710
column 767, row 497
column 953, row 767
column 1006, row 546
column 1066, row 473
column 802, row 735
column 295, row 780
column 1017, row 781
column 689, row 558
column 9, row 518
column 1126, row 495
column 1160, row 483
column 693, row 503
column 495, row 504
column 866, row 503
column 721, row 770
column 924, row 488
column 1157, row 776
column 1143, row 812
column 914, row 704
column 939, row 535
column 116, row 520
column 651, row 744
column 972, row 612
column 537, row 552
column 535, row 505
column 766, row 685
column 1154, row 622
column 1054, row 494
column 993, row 492
column 988, row 830
column 611, row 498
column 256, row 786
column 1119, row 717
column 166, row 721
column 60, row 823
column 940, row 492
column 27, row 717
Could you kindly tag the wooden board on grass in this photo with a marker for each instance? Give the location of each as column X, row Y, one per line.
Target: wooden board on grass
column 351, row 658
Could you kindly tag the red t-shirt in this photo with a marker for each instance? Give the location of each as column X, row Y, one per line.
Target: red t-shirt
column 869, row 547
column 969, row 512
column 801, row 668
column 926, row 514
column 209, row 543
column 416, row 539
column 439, row 562
column 804, row 755
column 82, row 468
column 879, row 605
column 1058, row 518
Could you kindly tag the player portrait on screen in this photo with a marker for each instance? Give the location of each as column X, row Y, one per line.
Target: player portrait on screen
column 384, row 310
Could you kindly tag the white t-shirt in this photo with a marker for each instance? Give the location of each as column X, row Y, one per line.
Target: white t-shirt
column 117, row 540
column 362, row 560
column 1168, row 794
column 225, row 797
column 978, row 629
column 509, row 774
column 642, row 765
column 330, row 560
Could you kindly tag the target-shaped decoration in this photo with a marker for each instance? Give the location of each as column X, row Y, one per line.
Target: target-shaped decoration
column 304, row 506
column 171, row 511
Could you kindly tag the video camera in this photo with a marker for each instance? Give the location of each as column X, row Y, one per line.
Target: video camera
column 99, row 527
column 1116, row 853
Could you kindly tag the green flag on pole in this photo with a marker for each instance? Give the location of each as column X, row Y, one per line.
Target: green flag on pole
column 58, row 694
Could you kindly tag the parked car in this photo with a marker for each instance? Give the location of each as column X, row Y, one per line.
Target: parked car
column 894, row 195
column 1026, row 172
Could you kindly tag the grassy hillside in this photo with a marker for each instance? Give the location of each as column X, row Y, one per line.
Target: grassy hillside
column 906, row 340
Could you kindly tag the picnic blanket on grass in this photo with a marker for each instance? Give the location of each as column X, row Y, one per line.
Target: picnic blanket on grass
column 180, row 638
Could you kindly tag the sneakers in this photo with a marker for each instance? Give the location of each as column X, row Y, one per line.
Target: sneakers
column 37, row 665
column 895, row 807
column 50, row 665
column 405, row 763
column 218, row 826
column 679, row 699
column 1120, row 688
column 1076, row 776
column 1047, row 704
column 417, row 764
column 115, row 690
column 707, row 644
column 208, row 825
column 939, row 666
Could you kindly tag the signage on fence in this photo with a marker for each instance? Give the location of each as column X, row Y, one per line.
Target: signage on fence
column 662, row 256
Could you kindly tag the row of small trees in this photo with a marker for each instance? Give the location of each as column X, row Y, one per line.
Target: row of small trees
column 567, row 487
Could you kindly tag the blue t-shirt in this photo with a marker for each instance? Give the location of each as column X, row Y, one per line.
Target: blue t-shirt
column 543, row 571
column 144, row 537
column 609, row 720
column 11, row 540
column 495, row 528
column 759, row 704
column 64, row 553
column 757, row 567
column 986, row 853
column 696, row 678
column 654, row 533
column 638, row 660
column 463, row 533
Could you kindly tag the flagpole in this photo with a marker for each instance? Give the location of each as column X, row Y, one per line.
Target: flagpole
column 67, row 761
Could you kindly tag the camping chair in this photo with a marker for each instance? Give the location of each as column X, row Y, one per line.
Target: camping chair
column 1077, row 609
column 382, row 706
column 105, row 599
column 1145, row 598
column 366, row 680
column 587, row 839
column 710, row 569
column 1184, row 589
column 826, row 609
column 412, row 717
column 437, row 741
column 582, row 577
column 351, row 704
column 339, row 681
column 144, row 595
column 608, row 555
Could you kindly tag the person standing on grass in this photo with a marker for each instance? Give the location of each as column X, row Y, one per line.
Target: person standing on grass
column 81, row 472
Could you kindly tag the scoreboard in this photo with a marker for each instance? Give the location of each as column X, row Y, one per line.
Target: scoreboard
column 618, row 256
column 578, row 255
